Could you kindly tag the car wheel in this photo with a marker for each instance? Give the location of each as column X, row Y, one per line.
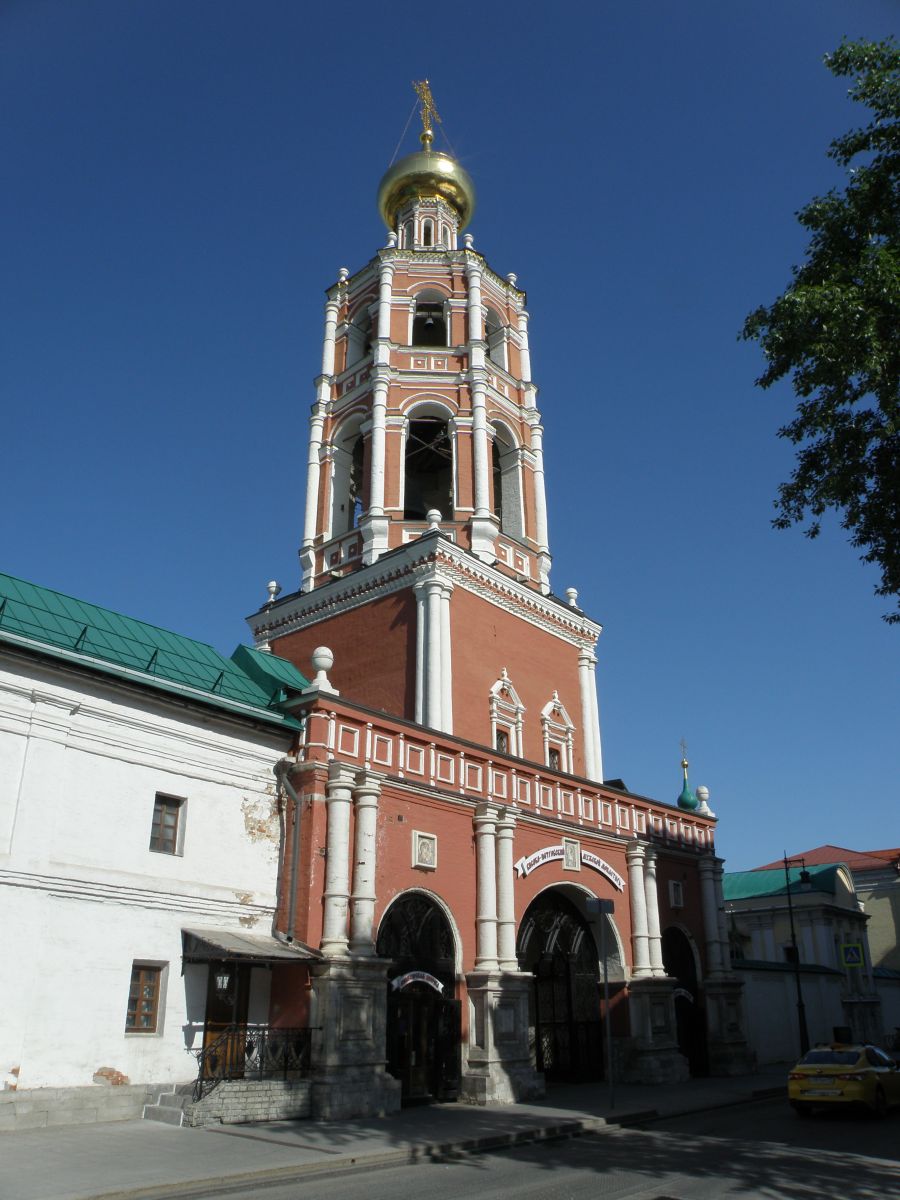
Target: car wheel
column 879, row 1108
column 802, row 1109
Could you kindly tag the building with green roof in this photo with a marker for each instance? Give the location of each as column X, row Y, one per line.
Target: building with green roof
column 141, row 825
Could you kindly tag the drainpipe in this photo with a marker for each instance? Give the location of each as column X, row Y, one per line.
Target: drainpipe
column 282, row 771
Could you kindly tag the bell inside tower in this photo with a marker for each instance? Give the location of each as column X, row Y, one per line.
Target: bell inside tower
column 429, row 469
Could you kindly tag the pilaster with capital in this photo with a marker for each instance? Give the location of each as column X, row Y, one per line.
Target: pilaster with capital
column 336, row 895
column 709, row 904
column 434, row 666
column 634, row 857
column 652, row 900
column 506, row 907
column 485, row 822
column 366, row 792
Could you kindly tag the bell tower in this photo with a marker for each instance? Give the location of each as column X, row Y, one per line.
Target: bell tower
column 425, row 556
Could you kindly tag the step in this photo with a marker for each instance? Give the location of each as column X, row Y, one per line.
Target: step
column 164, row 1113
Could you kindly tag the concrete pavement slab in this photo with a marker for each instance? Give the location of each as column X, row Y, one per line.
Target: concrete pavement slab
column 144, row 1160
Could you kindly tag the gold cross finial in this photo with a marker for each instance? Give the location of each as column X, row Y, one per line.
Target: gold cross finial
column 428, row 111
column 684, row 758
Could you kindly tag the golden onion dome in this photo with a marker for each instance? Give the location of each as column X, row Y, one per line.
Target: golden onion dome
column 426, row 175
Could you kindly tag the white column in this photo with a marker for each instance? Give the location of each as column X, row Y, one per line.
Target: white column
column 338, row 793
column 362, row 901
column 585, row 686
column 313, row 470
column 421, row 625
column 385, row 283
column 446, row 661
column 374, row 526
column 652, row 899
column 506, row 908
column 433, row 687
column 485, row 888
column 541, row 535
column 524, row 351
column 634, row 856
column 480, row 445
column 475, row 312
column 595, row 718
column 376, row 455
column 724, row 945
column 709, row 905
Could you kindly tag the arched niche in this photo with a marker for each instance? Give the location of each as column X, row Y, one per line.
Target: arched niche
column 495, row 337
column 429, row 326
column 359, row 335
column 347, row 475
column 507, row 479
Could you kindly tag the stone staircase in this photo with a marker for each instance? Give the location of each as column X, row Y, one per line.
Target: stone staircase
column 171, row 1105
column 232, row 1102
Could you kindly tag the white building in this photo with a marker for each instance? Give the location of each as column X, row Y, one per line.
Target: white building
column 140, row 834
column 809, row 933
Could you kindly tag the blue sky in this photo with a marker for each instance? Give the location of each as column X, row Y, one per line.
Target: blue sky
column 183, row 179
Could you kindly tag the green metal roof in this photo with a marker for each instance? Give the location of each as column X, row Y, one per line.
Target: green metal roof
column 106, row 640
column 746, row 885
column 277, row 677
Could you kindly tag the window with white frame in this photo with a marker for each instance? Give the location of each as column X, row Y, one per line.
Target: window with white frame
column 558, row 730
column 507, row 717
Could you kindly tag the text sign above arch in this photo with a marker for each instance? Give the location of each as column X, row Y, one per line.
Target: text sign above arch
column 417, row 977
column 549, row 854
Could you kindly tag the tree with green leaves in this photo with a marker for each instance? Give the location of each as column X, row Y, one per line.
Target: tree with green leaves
column 835, row 331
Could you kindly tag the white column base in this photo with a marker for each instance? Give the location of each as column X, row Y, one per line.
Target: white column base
column 307, row 567
column 544, row 561
column 484, row 538
column 374, row 532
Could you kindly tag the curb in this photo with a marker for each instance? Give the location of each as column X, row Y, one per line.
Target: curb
column 222, row 1185
column 405, row 1156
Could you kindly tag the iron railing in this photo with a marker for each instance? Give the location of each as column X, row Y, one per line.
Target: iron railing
column 252, row 1052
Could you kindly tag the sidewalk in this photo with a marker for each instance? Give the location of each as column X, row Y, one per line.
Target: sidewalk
column 143, row 1160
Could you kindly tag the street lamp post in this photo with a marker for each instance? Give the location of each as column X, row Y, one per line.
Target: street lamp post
column 801, row 1008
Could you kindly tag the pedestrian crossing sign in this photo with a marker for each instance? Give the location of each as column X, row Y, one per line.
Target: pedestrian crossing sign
column 851, row 954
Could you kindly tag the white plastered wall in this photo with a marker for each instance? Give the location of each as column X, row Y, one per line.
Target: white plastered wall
column 82, row 895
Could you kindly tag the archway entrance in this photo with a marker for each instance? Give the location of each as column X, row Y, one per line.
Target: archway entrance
column 557, row 947
column 679, row 962
column 423, row 1017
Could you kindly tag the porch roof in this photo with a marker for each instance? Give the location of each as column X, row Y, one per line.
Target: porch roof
column 206, row 945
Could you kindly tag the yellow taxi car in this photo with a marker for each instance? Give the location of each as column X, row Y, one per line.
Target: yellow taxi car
column 844, row 1074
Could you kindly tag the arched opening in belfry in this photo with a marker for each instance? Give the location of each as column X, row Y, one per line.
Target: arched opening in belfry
column 429, row 325
column 359, row 336
column 348, row 478
column 428, row 474
column 507, row 480
column 427, row 233
column 495, row 337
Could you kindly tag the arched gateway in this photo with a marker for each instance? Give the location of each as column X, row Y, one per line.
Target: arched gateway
column 423, row 1016
column 556, row 945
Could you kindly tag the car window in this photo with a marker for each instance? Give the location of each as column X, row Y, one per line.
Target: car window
column 876, row 1058
column 842, row 1058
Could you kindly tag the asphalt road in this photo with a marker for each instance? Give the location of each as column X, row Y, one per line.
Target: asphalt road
column 751, row 1151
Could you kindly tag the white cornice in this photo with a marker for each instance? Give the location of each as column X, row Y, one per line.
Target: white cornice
column 400, row 569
